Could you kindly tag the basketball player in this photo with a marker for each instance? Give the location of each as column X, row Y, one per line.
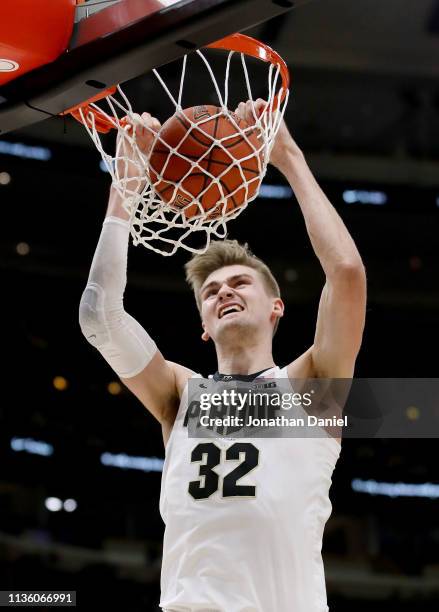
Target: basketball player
column 247, row 540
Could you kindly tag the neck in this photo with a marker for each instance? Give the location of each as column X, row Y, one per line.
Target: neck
column 244, row 359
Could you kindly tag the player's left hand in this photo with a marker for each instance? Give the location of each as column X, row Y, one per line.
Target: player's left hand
column 249, row 111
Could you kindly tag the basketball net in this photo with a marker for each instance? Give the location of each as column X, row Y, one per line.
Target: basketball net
column 155, row 223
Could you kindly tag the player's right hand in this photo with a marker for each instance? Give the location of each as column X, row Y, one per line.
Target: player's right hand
column 144, row 128
column 133, row 145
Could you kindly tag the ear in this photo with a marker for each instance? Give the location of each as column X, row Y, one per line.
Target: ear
column 278, row 308
column 204, row 336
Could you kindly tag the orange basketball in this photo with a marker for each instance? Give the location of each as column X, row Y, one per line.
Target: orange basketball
column 227, row 161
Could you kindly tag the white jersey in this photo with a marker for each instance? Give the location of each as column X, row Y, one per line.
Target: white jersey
column 259, row 550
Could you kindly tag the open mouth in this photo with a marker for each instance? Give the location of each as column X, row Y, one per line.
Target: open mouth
column 228, row 309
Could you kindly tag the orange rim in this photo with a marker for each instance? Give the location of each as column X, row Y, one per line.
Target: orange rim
column 235, row 42
column 103, row 125
column 255, row 48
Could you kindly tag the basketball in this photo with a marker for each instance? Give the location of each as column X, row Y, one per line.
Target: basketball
column 206, row 145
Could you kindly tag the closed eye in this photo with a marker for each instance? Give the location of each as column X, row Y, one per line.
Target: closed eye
column 209, row 293
column 234, row 282
column 242, row 283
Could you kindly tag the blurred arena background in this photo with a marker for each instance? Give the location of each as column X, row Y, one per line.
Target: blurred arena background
column 80, row 459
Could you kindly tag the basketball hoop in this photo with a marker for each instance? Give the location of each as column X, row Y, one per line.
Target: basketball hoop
column 183, row 219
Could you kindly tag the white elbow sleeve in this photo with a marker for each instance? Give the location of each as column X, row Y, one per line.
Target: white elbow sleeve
column 120, row 339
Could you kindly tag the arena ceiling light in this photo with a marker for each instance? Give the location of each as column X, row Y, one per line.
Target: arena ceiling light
column 127, row 462
column 396, row 489
column 31, row 446
column 24, row 151
column 364, row 196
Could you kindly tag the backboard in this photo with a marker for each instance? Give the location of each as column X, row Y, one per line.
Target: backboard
column 121, row 41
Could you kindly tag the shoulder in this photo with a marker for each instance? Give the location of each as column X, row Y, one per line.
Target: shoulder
column 303, row 366
column 182, row 375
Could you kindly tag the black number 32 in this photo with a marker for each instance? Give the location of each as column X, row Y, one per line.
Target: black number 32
column 208, row 455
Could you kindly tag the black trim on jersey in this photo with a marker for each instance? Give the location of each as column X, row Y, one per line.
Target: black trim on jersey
column 242, row 377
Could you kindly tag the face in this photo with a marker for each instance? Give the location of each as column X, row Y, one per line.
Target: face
column 235, row 302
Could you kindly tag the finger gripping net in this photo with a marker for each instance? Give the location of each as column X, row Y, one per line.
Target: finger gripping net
column 172, row 209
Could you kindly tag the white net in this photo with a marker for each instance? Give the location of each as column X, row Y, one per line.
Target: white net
column 203, row 167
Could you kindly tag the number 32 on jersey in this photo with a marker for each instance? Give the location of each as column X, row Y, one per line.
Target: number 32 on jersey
column 209, row 456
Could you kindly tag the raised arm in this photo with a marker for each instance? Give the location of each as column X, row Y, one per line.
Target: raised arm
column 341, row 314
column 121, row 340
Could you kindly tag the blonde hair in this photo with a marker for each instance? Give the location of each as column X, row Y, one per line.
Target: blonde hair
column 226, row 253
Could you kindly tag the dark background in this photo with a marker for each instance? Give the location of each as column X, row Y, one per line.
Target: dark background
column 364, row 108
